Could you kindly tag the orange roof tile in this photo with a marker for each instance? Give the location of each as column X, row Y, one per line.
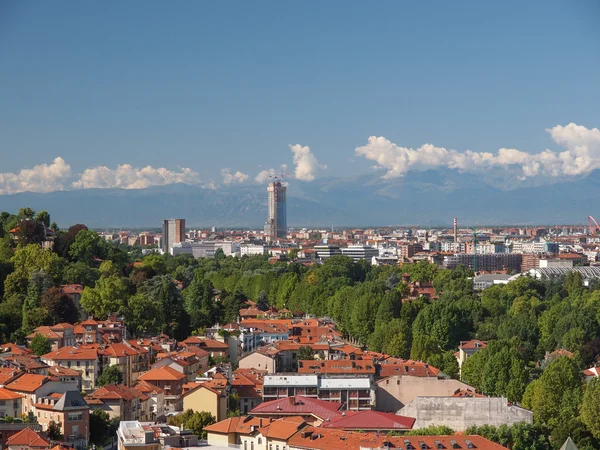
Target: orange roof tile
column 162, row 374
column 28, row 382
column 27, row 438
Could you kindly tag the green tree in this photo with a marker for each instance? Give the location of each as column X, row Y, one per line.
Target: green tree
column 110, row 375
column 101, row 428
column 590, row 408
column 556, row 396
column 44, row 218
column 109, row 295
column 86, row 246
column 433, row 430
column 54, row 432
column 144, row 315
column 262, row 301
column 305, row 353
column 163, row 291
column 199, row 302
column 195, row 421
column 40, row 345
column 59, row 306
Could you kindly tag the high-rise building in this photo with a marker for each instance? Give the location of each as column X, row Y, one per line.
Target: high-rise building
column 173, row 231
column 276, row 225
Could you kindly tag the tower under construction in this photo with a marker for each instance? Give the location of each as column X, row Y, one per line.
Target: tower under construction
column 276, row 225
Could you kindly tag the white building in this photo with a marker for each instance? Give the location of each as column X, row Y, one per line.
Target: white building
column 252, row 249
column 358, row 252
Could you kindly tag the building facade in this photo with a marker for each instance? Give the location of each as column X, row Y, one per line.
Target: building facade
column 173, row 231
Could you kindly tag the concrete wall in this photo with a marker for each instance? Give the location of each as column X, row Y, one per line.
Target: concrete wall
column 459, row 413
column 398, row 390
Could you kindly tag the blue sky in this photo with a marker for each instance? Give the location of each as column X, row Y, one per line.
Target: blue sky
column 213, row 85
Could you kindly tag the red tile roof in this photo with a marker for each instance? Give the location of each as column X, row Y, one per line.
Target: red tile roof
column 6, row 394
column 27, row 438
column 371, row 420
column 28, row 382
column 299, row 406
column 472, row 344
column 407, row 367
column 336, row 366
column 162, row 374
column 72, row 353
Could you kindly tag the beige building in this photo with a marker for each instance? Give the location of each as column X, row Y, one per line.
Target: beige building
column 204, row 398
column 260, row 361
column 81, row 359
column 11, row 403
column 398, row 390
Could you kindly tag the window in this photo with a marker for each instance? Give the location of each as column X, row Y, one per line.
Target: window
column 75, row 430
column 1, row 402
column 74, row 417
column 78, row 363
column 245, row 445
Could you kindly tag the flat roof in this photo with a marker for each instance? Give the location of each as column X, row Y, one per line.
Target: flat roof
column 336, row 383
column 290, row 380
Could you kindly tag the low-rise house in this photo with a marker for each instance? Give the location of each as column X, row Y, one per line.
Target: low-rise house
column 87, row 332
column 460, row 413
column 123, row 402
column 395, row 391
column 126, row 358
column 70, row 412
column 467, row 349
column 59, row 335
column 247, row 384
column 66, row 375
column 184, row 362
column 27, row 439
column 157, row 399
column 208, row 397
column 215, row 348
column 84, row 359
column 33, row 387
column 259, row 360
column 25, row 363
column 171, row 382
column 11, row 403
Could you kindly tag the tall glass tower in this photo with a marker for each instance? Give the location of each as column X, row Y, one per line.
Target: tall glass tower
column 276, row 225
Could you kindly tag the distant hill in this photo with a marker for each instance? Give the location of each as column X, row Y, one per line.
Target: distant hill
column 427, row 198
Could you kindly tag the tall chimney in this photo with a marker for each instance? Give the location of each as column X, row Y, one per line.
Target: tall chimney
column 456, row 247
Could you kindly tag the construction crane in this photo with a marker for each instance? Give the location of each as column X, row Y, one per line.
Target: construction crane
column 594, row 227
column 278, row 176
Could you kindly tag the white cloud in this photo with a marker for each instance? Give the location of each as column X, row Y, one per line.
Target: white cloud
column 237, row 177
column 266, row 174
column 306, row 165
column 129, row 177
column 41, row 178
column 581, row 155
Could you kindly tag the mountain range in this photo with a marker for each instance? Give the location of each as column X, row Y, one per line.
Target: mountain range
column 427, row 198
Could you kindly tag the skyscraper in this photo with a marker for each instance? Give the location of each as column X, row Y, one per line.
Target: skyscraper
column 173, row 231
column 276, row 225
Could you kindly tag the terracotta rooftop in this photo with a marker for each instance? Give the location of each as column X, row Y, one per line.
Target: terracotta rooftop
column 162, row 374
column 299, row 406
column 72, row 353
column 472, row 344
column 393, row 366
column 336, row 366
column 6, row 394
column 371, row 420
column 28, row 382
column 27, row 438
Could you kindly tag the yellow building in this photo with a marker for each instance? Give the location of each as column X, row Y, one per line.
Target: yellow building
column 205, row 398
